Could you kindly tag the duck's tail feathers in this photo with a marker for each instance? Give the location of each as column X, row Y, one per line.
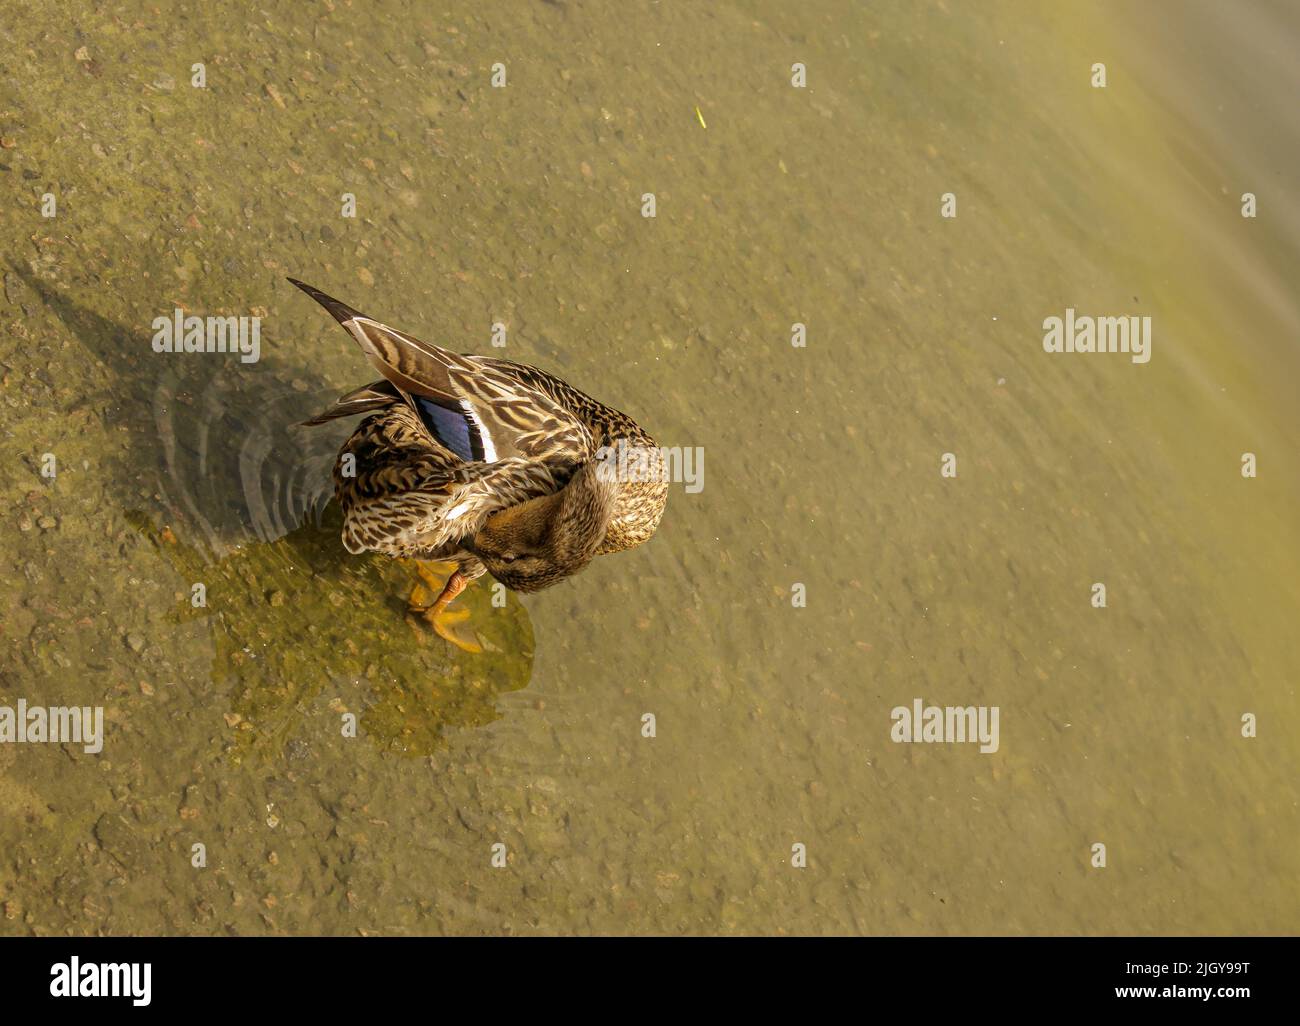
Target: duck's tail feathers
column 370, row 397
column 341, row 311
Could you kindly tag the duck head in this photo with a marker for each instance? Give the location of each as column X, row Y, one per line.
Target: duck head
column 541, row 542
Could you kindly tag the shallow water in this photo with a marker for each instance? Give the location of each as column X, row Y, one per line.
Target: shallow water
column 775, row 205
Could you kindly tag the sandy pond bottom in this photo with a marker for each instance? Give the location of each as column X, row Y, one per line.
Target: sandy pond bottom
column 224, row 723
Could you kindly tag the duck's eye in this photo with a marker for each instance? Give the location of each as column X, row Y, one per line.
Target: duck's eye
column 507, row 558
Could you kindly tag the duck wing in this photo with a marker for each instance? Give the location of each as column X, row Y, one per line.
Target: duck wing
column 474, row 406
column 406, row 495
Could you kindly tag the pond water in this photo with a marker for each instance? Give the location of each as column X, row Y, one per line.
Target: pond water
column 775, row 206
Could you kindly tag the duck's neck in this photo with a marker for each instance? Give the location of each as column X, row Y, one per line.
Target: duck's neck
column 582, row 511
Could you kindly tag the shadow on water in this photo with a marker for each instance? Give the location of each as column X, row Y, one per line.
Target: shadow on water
column 216, row 438
column 246, row 514
column 289, row 620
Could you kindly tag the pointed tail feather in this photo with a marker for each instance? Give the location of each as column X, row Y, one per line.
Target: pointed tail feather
column 362, row 400
column 341, row 311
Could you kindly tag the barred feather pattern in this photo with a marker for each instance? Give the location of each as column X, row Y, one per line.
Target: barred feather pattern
column 404, row 494
column 409, row 496
column 639, row 505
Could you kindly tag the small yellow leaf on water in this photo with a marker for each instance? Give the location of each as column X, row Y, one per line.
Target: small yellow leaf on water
column 700, row 116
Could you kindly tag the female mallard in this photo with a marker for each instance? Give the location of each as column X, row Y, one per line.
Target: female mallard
column 485, row 465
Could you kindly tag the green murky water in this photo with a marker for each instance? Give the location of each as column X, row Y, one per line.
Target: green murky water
column 776, row 205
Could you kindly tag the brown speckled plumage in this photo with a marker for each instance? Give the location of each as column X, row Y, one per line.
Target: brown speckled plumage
column 525, row 489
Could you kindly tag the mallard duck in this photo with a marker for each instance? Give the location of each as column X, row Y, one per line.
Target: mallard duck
column 483, row 465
